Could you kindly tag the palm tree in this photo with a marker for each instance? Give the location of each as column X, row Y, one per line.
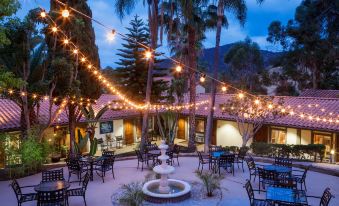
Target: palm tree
column 122, row 8
column 186, row 23
column 239, row 8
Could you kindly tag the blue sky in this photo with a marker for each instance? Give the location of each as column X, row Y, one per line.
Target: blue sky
column 258, row 19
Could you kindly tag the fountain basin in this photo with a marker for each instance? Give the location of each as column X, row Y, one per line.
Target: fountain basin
column 179, row 191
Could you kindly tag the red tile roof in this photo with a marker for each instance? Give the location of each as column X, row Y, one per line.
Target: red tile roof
column 320, row 93
column 10, row 112
column 331, row 105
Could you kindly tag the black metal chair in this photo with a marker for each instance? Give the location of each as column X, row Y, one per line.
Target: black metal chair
column 170, row 157
column 52, row 198
column 106, row 153
column 325, row 198
column 301, row 179
column 104, row 165
column 53, row 175
column 203, row 160
column 240, row 158
column 267, row 177
column 282, row 161
column 22, row 197
column 254, row 201
column 226, row 162
column 251, row 167
column 141, row 158
column 81, row 191
column 76, row 167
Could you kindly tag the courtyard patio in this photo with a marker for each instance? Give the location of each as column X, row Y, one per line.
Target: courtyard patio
column 233, row 193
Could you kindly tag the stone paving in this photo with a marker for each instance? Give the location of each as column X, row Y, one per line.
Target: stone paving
column 233, row 193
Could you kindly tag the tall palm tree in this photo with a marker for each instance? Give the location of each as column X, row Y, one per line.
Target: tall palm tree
column 185, row 24
column 238, row 7
column 122, row 8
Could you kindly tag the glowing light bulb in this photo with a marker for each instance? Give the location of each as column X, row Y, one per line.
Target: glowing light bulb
column 241, row 95
column 66, row 41
column 270, row 106
column 202, row 78
column 65, row 13
column 43, row 14
column 178, row 68
column 283, row 110
column 10, row 91
column 223, row 88
column 23, row 94
column 54, row 29
column 34, row 96
column 83, row 59
column 75, row 51
column 111, row 36
column 257, row 101
column 148, row 54
column 45, row 97
column 89, row 66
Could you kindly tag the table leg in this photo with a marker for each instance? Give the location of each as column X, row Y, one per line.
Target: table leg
column 91, row 172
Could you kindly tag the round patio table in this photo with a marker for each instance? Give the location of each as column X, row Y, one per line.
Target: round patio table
column 52, row 186
column 154, row 154
column 91, row 160
column 278, row 169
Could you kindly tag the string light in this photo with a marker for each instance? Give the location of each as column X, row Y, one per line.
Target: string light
column 178, row 68
column 202, row 78
column 75, row 51
column 65, row 13
column 224, row 88
column 256, row 101
column 54, row 29
column 66, row 41
column 111, row 35
column 270, row 106
column 83, row 59
column 148, row 54
column 241, row 95
column 43, row 14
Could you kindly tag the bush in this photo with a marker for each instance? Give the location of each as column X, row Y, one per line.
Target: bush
column 33, row 153
column 133, row 195
column 210, row 180
column 298, row 151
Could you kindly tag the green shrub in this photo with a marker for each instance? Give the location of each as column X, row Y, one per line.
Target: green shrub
column 133, row 195
column 210, row 180
column 33, row 153
column 298, row 151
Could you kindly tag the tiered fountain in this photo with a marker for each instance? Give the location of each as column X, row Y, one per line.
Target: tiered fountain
column 165, row 190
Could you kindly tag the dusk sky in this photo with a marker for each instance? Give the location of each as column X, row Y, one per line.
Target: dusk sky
column 258, row 19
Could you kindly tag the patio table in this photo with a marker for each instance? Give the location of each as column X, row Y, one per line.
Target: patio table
column 215, row 157
column 91, row 160
column 52, row 186
column 278, row 169
column 287, row 195
column 154, row 154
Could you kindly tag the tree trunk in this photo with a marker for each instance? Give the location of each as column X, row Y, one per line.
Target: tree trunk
column 71, row 126
column 209, row 124
column 193, row 64
column 153, row 22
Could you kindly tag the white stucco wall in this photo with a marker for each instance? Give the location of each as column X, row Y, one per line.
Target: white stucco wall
column 228, row 134
column 292, row 136
column 306, row 136
column 118, row 130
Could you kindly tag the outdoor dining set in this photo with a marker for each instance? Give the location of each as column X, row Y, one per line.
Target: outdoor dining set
column 282, row 184
column 54, row 189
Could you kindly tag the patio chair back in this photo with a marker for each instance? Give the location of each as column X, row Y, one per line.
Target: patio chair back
column 282, row 161
column 176, row 149
column 53, row 175
column 249, row 189
column 200, row 156
column 152, row 147
column 107, row 153
column 57, row 197
column 326, row 198
column 16, row 188
column 85, row 182
column 267, row 176
column 73, row 164
column 303, row 177
column 250, row 163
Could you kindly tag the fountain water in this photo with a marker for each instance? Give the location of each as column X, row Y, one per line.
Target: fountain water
column 164, row 189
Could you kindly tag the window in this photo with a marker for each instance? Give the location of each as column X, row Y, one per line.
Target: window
column 325, row 139
column 278, row 136
column 200, row 126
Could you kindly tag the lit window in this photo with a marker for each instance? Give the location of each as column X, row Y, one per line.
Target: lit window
column 325, row 139
column 278, row 136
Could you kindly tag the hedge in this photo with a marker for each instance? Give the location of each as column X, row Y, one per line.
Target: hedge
column 295, row 151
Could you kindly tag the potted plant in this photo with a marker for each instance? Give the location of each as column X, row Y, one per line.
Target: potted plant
column 56, row 155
